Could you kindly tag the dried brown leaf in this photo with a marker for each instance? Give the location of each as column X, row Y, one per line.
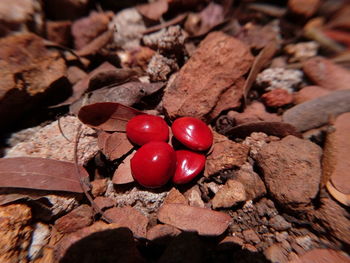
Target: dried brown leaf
column 114, row 145
column 107, row 116
column 95, row 45
column 123, row 173
column 260, row 61
column 40, row 173
column 339, row 196
column 278, row 129
column 126, row 94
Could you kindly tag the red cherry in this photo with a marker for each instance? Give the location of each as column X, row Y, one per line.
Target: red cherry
column 146, row 128
column 153, row 164
column 188, row 166
column 193, row 133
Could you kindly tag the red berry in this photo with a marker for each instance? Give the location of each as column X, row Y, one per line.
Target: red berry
column 193, row 133
column 146, row 128
column 188, row 166
column 153, row 164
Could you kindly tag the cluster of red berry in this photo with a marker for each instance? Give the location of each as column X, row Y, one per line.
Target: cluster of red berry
column 156, row 162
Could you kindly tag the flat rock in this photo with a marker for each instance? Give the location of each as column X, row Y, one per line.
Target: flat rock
column 218, row 62
column 104, row 202
column 205, row 222
column 80, row 217
column 122, row 174
column 309, row 93
column 54, row 143
column 230, row 194
column 15, row 232
column 326, row 74
column 292, row 170
column 28, row 76
column 129, row 217
column 251, row 236
column 98, row 242
column 235, row 155
column 336, row 156
column 317, row 112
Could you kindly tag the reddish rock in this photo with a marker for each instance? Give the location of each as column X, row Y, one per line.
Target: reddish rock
column 279, row 223
column 250, row 236
column 336, row 156
column 326, row 74
column 230, row 99
column 88, row 28
column 129, row 217
column 76, row 219
column 204, row 221
column 253, row 185
column 15, row 232
column 15, row 12
column 253, row 113
column 98, row 187
column 75, row 74
column 322, row 255
column 235, row 155
column 123, row 173
column 59, row 32
column 230, row 242
column 276, row 253
column 193, row 196
column 175, row 197
column 162, row 234
column 277, row 98
column 230, row 194
column 309, row 93
column 220, row 61
column 305, row 8
column 28, row 76
column 104, row 202
column 292, row 170
column 98, row 242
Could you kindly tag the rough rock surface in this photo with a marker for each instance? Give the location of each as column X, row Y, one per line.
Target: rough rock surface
column 327, row 74
column 230, row 194
column 336, row 156
column 129, row 217
column 28, row 72
column 175, row 197
column 292, row 170
column 309, row 93
column 40, row 238
column 80, row 217
column 98, row 187
column 15, row 233
column 277, row 98
column 193, row 196
column 235, row 155
column 217, row 63
column 202, row 220
column 322, row 255
column 50, row 142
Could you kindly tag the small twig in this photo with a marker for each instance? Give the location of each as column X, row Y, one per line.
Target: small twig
column 61, row 130
column 84, row 182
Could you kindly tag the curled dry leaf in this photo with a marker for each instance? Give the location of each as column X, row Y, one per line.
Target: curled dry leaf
column 339, row 196
column 126, row 94
column 278, row 129
column 107, row 116
column 317, row 112
column 114, row 145
column 260, row 61
column 41, row 174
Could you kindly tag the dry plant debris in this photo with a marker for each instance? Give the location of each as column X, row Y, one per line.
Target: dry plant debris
column 270, row 80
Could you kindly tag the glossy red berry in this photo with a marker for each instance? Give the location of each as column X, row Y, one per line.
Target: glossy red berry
column 189, row 164
column 153, row 164
column 146, row 128
column 193, row 133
